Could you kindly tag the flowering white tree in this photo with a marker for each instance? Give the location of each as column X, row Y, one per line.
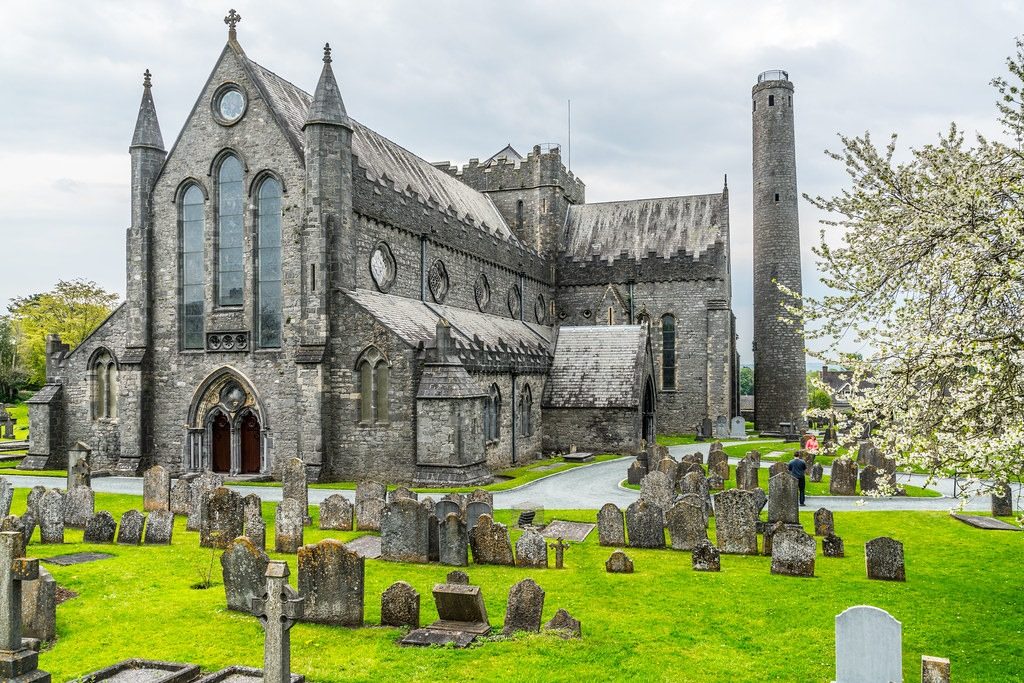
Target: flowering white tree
column 929, row 274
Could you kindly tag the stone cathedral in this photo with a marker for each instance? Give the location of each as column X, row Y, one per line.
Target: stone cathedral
column 300, row 285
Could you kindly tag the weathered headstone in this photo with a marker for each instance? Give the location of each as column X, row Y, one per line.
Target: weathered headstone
column 453, row 541
column 459, row 499
column 17, row 662
column 618, row 563
column 254, row 527
column 564, row 624
column 51, row 517
column 444, row 506
column 864, row 449
column 793, row 552
column 635, row 473
column 707, row 429
column 457, row 576
column 79, row 505
column 687, row 522
column 156, row 489
column 481, row 496
column 39, row 607
column 736, row 522
column 28, row 521
column 405, row 532
column 531, row 550
column 289, row 520
column 844, row 478
column 400, row 606
column 777, row 468
column 129, row 531
column 670, row 468
column 428, row 503
column 611, row 529
column 718, row 463
column 783, row 499
column 202, row 487
column 17, row 524
column 402, row 492
column 474, row 510
column 460, row 608
column 934, row 669
column 824, row 523
column 657, row 489
column 101, row 528
column 816, row 472
column 181, row 497
column 760, row 499
column 159, row 527
column 1002, row 501
column 6, row 496
column 645, row 524
column 721, row 427
column 370, row 501
column 768, row 533
column 79, row 469
column 294, row 486
column 715, row 482
column 525, row 607
column 754, row 456
column 243, row 567
column 832, row 546
column 490, row 543
column 747, row 475
column 278, row 609
column 869, row 479
column 705, row 557
column 336, row 513
column 224, row 520
column 884, row 559
column 35, row 497
column 331, row 578
column 869, row 646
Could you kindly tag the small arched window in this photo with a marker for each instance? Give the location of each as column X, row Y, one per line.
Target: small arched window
column 525, row 411
column 103, row 389
column 230, row 209
column 373, row 372
column 193, row 275
column 668, row 352
column 519, row 216
column 492, row 414
column 268, row 284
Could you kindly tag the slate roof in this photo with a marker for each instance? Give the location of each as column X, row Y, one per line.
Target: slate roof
column 635, row 228
column 48, row 393
column 384, row 159
column 598, row 366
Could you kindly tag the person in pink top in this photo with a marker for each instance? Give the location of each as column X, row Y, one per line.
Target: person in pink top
column 812, row 444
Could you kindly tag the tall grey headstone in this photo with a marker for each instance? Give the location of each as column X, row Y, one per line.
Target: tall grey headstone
column 294, row 485
column 783, row 499
column 687, row 522
column 223, row 521
column 453, row 540
column 611, row 530
column 718, row 463
column 201, row 488
column 156, row 489
column 736, row 522
column 657, row 489
column 336, row 513
column 244, row 568
column 645, row 524
column 405, row 532
column 181, row 497
column 51, row 517
column 289, row 521
column 331, row 578
column 747, row 474
column 737, row 428
column 844, row 478
column 869, row 646
column 370, row 501
column 6, row 496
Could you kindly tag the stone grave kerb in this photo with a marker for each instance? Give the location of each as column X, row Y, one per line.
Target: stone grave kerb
column 278, row 609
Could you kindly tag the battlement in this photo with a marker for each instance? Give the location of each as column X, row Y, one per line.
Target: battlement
column 542, row 167
column 681, row 266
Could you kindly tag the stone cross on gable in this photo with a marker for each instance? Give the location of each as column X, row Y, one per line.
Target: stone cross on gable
column 16, row 661
column 277, row 611
column 559, row 549
column 232, row 20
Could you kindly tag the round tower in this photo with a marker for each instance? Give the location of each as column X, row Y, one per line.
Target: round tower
column 780, row 389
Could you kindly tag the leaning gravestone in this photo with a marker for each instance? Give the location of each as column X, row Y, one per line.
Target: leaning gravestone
column 405, row 532
column 370, row 501
column 244, row 568
column 6, row 496
column 783, row 499
column 289, row 520
column 129, row 532
column 1002, row 500
column 202, row 488
column 79, row 506
column 400, row 606
column 687, row 522
column 51, row 517
column 331, row 579
column 474, row 510
column 336, row 513
column 817, row 471
column 610, row 527
column 793, row 553
column 884, row 559
column 39, row 607
column 645, row 524
column 181, row 497
column 844, row 478
column 657, row 489
column 224, row 520
column 736, row 522
column 747, row 474
column 490, row 543
column 101, row 528
column 832, row 546
column 294, row 486
column 531, row 550
column 453, row 541
column 760, row 499
column 635, row 473
column 159, row 527
column 705, row 557
column 618, row 563
column 28, row 521
column 824, row 523
column 525, row 607
column 869, row 646
column 156, row 489
column 718, row 463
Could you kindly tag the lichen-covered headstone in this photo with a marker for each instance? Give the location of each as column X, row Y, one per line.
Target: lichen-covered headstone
column 28, row 521
column 635, row 473
column 670, row 468
column 181, row 497
column 35, row 497
column 618, row 563
column 79, row 505
column 783, row 498
column 525, row 607
column 736, row 522
column 481, row 496
column 457, row 576
column 223, row 521
column 490, row 543
column 611, row 529
column 294, row 485
column 159, row 527
column 777, row 468
column 331, row 579
column 202, row 488
column 101, row 528
column 129, row 532
column 370, row 501
column 6, row 496
column 706, row 558
column 884, row 559
column 844, row 477
column 657, row 489
column 832, row 546
column 244, row 568
column 336, row 513
column 289, row 521
column 453, row 541
column 402, row 492
column 793, row 553
column 770, row 529
column 39, row 607
column 531, row 550
column 16, row 524
column 253, row 525
column 564, row 625
column 405, row 532
column 645, row 524
column 718, row 463
column 51, row 517
column 715, row 482
column 816, row 473
column 687, row 522
column 156, row 489
column 747, row 474
column 823, row 522
column 400, row 606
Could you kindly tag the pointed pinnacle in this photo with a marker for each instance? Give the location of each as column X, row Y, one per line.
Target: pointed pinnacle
column 327, row 53
column 147, row 79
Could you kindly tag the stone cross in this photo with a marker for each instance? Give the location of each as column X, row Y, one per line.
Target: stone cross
column 277, row 611
column 232, row 20
column 559, row 549
column 15, row 659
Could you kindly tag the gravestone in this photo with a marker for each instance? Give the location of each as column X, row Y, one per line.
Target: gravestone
column 336, row 513
column 460, row 608
column 101, row 528
column 768, row 533
column 6, row 496
column 224, row 520
column 79, row 506
column 39, row 607
column 289, row 521
column 525, row 607
column 35, row 497
column 433, row 535
column 474, row 510
column 370, row 501
column 243, row 570
column 832, row 546
column 635, row 473
column 686, row 467
column 793, row 553
column 707, row 429
column 444, row 507
column 51, row 517
column 715, row 482
column 156, row 489
column 705, row 557
column 294, row 486
column 687, row 522
column 159, row 527
column 718, row 463
column 531, row 550
column 402, row 492
column 760, row 499
column 28, row 521
column 564, row 625
column 277, row 609
column 817, row 471
column 618, row 563
column 202, row 487
column 869, row 646
column 459, row 499
column 17, row 662
column 129, row 532
column 754, row 456
column 737, row 428
column 721, row 427
column 1002, row 500
column 400, row 606
column 777, row 468
column 844, row 478
column 481, row 496
column 934, row 669
column 254, row 527
column 869, row 479
column 657, row 489
column 645, row 525
column 332, row 579
column 453, row 541
column 736, row 522
column 405, row 532
column 181, row 497
column 611, row 529
column 16, row 524
column 457, row 576
column 747, row 474
column 490, row 542
column 670, row 468
column 864, row 452
column 428, row 503
column 824, row 524
column 560, row 546
column 884, row 559
column 783, row 499
column 79, row 470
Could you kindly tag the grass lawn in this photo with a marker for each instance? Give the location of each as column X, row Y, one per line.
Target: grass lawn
column 18, row 411
column 675, row 439
column 665, row 622
column 8, row 468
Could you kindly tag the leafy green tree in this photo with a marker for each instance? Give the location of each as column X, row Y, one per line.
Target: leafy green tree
column 73, row 309
column 818, row 399
column 12, row 372
column 746, row 381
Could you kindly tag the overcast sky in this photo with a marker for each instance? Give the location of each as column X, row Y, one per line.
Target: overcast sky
column 660, row 96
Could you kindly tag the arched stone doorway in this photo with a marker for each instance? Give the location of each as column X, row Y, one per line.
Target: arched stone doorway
column 249, row 443
column 227, row 430
column 648, row 430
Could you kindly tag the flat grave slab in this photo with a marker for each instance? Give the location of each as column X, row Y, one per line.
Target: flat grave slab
column 990, row 523
column 144, row 671
column 568, row 531
column 431, row 636
column 77, row 558
column 365, row 546
column 578, row 457
column 242, row 674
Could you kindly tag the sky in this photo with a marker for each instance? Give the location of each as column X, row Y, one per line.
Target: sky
column 660, row 97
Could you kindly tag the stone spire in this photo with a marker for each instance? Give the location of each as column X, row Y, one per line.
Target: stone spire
column 147, row 127
column 327, row 107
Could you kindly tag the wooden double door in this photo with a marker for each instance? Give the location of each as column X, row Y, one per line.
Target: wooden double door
column 224, row 437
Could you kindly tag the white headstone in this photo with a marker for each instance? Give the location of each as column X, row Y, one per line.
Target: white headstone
column 869, row 646
column 737, row 428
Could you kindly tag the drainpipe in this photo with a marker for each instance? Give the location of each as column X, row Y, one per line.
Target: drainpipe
column 423, row 267
column 515, row 430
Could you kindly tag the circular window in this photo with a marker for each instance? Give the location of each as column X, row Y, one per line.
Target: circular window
column 540, row 309
column 229, row 104
column 232, row 396
column 437, row 280
column 482, row 292
column 382, row 267
column 515, row 301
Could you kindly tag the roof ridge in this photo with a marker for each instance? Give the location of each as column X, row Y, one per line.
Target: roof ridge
column 645, row 199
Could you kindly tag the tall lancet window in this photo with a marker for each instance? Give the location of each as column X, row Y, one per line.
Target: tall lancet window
column 668, row 352
column 268, row 292
column 231, row 205
column 193, row 288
